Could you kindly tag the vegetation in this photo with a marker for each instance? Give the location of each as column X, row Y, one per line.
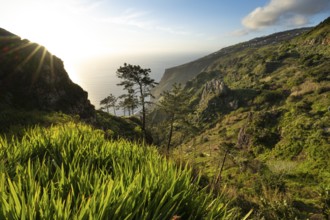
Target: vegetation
column 265, row 134
column 174, row 104
column 137, row 79
column 129, row 102
column 109, row 102
column 253, row 133
column 128, row 128
column 70, row 171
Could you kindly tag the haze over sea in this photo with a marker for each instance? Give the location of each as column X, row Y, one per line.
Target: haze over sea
column 98, row 76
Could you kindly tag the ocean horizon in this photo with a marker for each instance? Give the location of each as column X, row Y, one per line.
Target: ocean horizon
column 98, row 76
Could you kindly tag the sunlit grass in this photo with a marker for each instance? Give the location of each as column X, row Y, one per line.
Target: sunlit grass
column 71, row 172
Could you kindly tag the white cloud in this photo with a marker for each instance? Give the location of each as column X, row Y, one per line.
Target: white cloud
column 172, row 30
column 82, row 6
column 240, row 32
column 291, row 13
column 140, row 19
column 130, row 17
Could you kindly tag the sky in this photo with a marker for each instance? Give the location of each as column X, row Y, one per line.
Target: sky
column 78, row 31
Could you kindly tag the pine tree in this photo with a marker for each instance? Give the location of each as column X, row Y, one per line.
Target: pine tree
column 108, row 102
column 137, row 79
column 175, row 104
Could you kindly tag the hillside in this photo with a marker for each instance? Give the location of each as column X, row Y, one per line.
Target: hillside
column 61, row 159
column 35, row 89
column 255, row 131
column 186, row 72
column 32, row 78
column 263, row 124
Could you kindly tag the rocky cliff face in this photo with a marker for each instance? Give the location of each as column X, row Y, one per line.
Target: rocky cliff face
column 181, row 74
column 33, row 78
column 214, row 87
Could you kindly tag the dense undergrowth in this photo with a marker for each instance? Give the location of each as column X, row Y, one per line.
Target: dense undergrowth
column 69, row 171
column 14, row 122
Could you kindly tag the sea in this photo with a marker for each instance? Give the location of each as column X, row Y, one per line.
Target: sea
column 98, row 76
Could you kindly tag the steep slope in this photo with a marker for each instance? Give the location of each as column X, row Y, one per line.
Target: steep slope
column 33, row 78
column 183, row 73
column 319, row 35
column 264, row 126
column 35, row 89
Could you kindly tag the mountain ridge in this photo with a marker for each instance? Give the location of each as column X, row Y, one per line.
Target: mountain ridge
column 185, row 72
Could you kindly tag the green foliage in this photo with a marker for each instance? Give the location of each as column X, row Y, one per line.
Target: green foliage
column 129, row 102
column 14, row 121
column 108, row 102
column 71, row 172
column 303, row 134
column 174, row 104
column 137, row 80
column 274, row 205
column 119, row 127
column 281, row 116
column 269, row 97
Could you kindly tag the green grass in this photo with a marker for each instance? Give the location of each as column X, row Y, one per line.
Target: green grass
column 71, row 172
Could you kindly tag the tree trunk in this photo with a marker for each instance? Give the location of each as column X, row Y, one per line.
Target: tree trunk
column 170, row 135
column 143, row 112
column 221, row 168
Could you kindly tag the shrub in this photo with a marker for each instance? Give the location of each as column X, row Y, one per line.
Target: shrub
column 269, row 97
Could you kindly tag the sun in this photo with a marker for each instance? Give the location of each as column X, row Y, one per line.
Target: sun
column 58, row 27
column 72, row 30
column 61, row 38
column 58, row 32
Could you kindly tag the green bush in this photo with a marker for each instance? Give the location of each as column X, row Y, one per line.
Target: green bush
column 269, row 97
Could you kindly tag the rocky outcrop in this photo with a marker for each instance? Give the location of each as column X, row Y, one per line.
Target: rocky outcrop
column 319, row 40
column 216, row 99
column 33, row 78
column 215, row 87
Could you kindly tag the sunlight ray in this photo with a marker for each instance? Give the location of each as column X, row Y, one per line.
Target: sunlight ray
column 29, row 57
column 52, row 70
column 15, row 49
column 41, row 62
